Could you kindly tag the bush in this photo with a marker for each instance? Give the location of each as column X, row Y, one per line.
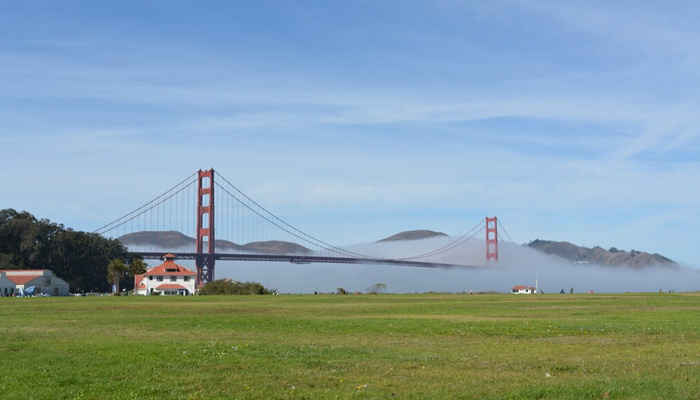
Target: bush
column 225, row 286
column 376, row 288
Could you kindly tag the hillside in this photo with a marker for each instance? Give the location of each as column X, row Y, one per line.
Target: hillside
column 177, row 241
column 169, row 239
column 413, row 235
column 599, row 256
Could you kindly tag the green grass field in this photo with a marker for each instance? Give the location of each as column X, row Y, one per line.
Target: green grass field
column 438, row 346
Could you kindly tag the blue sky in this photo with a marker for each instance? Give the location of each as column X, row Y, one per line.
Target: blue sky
column 571, row 120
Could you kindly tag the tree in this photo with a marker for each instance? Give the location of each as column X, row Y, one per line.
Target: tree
column 116, row 271
column 341, row 291
column 25, row 242
column 377, row 288
column 82, row 258
column 136, row 267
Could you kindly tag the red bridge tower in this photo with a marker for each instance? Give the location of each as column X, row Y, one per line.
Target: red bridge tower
column 491, row 239
column 205, row 228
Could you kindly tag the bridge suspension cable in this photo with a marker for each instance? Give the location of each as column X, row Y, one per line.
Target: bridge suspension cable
column 169, row 194
column 504, row 231
column 462, row 240
column 277, row 222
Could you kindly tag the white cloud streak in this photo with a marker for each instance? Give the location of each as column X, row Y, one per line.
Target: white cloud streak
column 572, row 109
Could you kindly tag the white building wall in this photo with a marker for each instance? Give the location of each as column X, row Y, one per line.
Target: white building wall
column 51, row 285
column 45, row 282
column 179, row 280
column 7, row 287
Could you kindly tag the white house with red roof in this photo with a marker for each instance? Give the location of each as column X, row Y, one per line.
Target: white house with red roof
column 168, row 279
column 44, row 281
column 524, row 290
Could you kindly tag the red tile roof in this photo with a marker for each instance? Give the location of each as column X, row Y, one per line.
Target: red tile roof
column 170, row 286
column 22, row 279
column 523, row 287
column 169, row 268
column 138, row 281
column 24, row 276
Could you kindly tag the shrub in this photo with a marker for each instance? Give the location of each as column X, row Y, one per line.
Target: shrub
column 225, row 286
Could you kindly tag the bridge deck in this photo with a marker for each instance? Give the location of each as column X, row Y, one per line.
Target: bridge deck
column 297, row 259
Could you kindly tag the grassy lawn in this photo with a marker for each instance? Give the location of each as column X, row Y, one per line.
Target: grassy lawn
column 439, row 346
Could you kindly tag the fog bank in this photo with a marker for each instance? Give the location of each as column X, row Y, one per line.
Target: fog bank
column 517, row 265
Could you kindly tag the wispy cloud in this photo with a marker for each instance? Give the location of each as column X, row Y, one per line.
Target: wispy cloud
column 554, row 113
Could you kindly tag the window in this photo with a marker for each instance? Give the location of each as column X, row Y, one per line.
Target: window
column 160, row 278
column 173, row 278
column 150, row 277
column 186, row 278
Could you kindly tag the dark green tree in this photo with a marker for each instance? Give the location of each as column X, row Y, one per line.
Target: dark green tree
column 116, row 271
column 78, row 257
column 83, row 258
column 25, row 242
column 135, row 267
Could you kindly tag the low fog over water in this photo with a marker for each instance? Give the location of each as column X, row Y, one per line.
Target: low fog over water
column 517, row 265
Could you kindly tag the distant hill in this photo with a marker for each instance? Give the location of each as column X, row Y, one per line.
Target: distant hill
column 169, row 239
column 273, row 246
column 412, row 235
column 176, row 241
column 600, row 256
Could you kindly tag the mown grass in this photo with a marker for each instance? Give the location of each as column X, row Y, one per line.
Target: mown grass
column 623, row 346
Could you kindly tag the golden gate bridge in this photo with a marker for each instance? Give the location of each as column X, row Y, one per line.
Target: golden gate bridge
column 206, row 219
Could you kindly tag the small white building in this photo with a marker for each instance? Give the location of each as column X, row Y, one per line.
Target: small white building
column 44, row 281
column 524, row 290
column 168, row 279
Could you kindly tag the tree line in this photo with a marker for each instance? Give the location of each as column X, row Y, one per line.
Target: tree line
column 80, row 258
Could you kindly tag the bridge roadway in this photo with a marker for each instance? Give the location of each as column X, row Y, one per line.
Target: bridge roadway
column 297, row 259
